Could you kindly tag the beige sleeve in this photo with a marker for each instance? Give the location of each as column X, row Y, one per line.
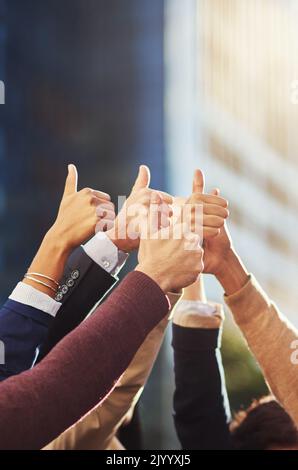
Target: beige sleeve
column 97, row 430
column 270, row 337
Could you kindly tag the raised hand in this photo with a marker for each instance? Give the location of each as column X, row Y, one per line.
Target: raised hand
column 210, row 209
column 217, row 249
column 75, row 223
column 126, row 232
column 80, row 212
column 214, row 208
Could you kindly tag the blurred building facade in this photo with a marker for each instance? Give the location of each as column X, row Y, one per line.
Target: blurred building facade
column 241, row 126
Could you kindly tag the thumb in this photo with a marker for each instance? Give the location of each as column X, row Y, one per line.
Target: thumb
column 215, row 192
column 71, row 184
column 143, row 178
column 198, row 182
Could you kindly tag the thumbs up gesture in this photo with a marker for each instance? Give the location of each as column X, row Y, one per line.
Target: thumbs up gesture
column 128, row 225
column 80, row 212
column 217, row 240
column 214, row 208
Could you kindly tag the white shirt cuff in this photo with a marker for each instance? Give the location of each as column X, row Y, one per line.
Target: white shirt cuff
column 196, row 306
column 104, row 253
column 27, row 295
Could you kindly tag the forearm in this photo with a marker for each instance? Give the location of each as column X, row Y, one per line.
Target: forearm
column 87, row 291
column 109, row 338
column 270, row 337
column 50, row 261
column 201, row 409
column 195, row 291
column 98, row 429
column 232, row 274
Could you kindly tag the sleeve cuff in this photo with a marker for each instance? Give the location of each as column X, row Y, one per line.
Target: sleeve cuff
column 205, row 309
column 27, row 295
column 104, row 253
column 197, row 314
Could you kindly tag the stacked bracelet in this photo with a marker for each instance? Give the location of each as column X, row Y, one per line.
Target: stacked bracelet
column 45, row 277
column 32, row 277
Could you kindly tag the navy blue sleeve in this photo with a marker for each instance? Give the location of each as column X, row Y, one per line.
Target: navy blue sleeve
column 22, row 330
column 201, row 407
column 85, row 285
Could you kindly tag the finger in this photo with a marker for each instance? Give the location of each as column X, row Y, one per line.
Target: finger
column 198, row 182
column 109, row 206
column 209, row 232
column 143, row 179
column 213, row 209
column 215, row 192
column 164, row 221
column 211, row 199
column 167, row 198
column 165, row 214
column 104, row 225
column 71, row 183
column 108, row 225
column 104, row 214
column 153, row 219
column 164, row 197
column 101, row 195
column 213, row 221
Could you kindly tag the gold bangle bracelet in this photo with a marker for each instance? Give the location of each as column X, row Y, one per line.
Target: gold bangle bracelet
column 40, row 282
column 45, row 277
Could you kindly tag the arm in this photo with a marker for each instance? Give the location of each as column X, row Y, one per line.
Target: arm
column 201, row 407
column 29, row 420
column 269, row 334
column 98, row 429
column 23, row 328
column 92, row 269
column 93, row 282
column 87, row 284
column 69, row 374
column 27, row 315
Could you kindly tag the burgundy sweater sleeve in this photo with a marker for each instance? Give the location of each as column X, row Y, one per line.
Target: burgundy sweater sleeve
column 37, row 405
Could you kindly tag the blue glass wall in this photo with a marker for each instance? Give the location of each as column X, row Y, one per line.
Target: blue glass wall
column 3, row 30
column 84, row 85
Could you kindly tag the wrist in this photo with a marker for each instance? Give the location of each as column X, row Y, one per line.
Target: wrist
column 232, row 274
column 49, row 261
column 58, row 242
column 195, row 291
column 156, row 276
column 121, row 243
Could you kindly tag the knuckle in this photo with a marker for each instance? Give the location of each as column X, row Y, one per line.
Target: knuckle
column 86, row 191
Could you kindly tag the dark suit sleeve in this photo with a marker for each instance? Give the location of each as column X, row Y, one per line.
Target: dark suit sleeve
column 22, row 330
column 83, row 286
column 201, row 408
